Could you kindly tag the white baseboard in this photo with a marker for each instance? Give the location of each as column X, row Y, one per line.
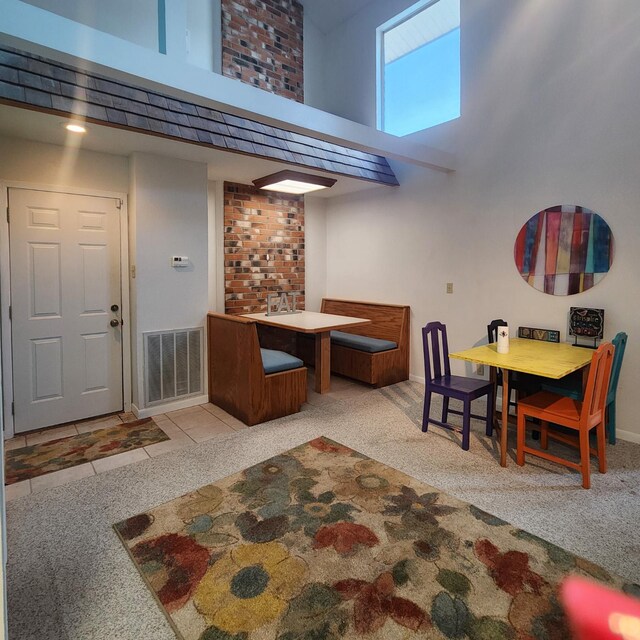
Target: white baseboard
column 414, row 378
column 148, row 412
column 628, row 436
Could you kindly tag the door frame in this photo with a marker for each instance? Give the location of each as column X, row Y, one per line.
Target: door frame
column 6, row 345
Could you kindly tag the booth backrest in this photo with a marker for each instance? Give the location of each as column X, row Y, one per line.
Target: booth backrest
column 234, row 350
column 388, row 321
column 237, row 380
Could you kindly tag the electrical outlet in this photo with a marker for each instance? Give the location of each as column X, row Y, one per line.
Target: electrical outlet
column 449, row 287
column 480, row 369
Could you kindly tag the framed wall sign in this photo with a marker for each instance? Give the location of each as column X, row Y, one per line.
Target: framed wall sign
column 586, row 323
column 564, row 250
column 546, row 335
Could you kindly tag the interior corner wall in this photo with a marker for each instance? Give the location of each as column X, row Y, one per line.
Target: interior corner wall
column 168, row 215
column 315, row 225
column 549, row 116
column 314, row 66
column 203, row 28
column 349, row 80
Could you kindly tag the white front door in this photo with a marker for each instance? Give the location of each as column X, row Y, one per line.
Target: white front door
column 65, row 287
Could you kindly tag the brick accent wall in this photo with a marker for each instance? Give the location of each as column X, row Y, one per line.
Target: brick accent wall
column 263, row 247
column 262, row 45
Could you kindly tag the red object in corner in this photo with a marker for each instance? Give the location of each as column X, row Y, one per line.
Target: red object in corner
column 599, row 613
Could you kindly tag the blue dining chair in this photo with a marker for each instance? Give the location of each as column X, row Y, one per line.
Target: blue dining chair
column 438, row 379
column 571, row 385
column 620, row 344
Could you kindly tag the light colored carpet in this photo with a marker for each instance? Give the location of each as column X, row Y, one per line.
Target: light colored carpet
column 69, row 577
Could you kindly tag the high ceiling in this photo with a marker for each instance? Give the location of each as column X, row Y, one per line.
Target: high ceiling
column 328, row 14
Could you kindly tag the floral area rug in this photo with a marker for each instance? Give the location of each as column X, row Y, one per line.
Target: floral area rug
column 38, row 459
column 323, row 543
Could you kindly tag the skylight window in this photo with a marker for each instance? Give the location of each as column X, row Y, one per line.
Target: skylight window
column 419, row 67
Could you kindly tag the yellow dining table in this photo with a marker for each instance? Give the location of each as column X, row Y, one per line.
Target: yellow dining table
column 546, row 359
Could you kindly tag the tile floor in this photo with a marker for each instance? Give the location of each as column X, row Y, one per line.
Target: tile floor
column 184, row 427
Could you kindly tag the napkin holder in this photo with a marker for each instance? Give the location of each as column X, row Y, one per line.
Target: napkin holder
column 503, row 339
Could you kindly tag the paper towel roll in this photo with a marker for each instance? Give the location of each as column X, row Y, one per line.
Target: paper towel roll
column 503, row 339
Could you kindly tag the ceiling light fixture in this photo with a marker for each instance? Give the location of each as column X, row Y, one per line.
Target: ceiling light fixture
column 293, row 182
column 75, row 128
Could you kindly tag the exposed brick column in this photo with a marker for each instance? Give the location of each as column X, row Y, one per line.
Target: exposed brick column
column 263, row 246
column 262, row 45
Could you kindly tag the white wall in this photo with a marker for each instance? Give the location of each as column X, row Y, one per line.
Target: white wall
column 549, row 116
column 48, row 164
column 349, row 80
column 314, row 65
column 204, row 24
column 315, row 251
column 168, row 215
column 133, row 21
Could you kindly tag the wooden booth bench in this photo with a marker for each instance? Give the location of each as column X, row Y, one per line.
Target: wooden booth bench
column 377, row 353
column 252, row 384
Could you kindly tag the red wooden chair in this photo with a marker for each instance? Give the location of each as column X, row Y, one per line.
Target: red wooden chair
column 582, row 416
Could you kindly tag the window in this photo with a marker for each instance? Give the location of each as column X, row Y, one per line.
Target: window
column 419, row 67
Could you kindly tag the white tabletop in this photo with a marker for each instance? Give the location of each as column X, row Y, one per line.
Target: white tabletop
column 309, row 321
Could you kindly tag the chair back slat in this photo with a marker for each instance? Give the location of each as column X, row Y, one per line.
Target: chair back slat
column 436, row 351
column 620, row 344
column 597, row 383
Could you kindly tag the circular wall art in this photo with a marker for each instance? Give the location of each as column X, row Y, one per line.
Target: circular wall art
column 564, row 250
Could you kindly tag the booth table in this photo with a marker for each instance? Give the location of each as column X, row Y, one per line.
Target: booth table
column 546, row 359
column 320, row 324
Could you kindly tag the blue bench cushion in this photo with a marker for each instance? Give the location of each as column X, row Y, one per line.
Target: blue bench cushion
column 276, row 361
column 362, row 343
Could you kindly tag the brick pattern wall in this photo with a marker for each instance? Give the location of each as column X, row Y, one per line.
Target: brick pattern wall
column 262, row 45
column 263, row 247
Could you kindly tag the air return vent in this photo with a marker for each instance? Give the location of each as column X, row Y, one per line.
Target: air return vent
column 173, row 364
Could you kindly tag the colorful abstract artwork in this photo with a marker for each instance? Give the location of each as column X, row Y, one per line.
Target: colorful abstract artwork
column 564, row 250
column 323, row 543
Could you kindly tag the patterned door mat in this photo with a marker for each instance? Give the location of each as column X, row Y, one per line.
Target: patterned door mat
column 322, row 542
column 36, row 460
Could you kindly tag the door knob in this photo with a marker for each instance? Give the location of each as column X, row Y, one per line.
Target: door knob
column 114, row 307
column 114, row 323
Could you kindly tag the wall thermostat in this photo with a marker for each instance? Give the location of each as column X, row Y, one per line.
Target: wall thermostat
column 179, row 261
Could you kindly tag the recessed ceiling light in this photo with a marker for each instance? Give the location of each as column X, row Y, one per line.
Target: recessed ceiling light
column 75, row 128
column 293, row 182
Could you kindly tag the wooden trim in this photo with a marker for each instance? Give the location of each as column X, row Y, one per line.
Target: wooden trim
column 368, row 304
